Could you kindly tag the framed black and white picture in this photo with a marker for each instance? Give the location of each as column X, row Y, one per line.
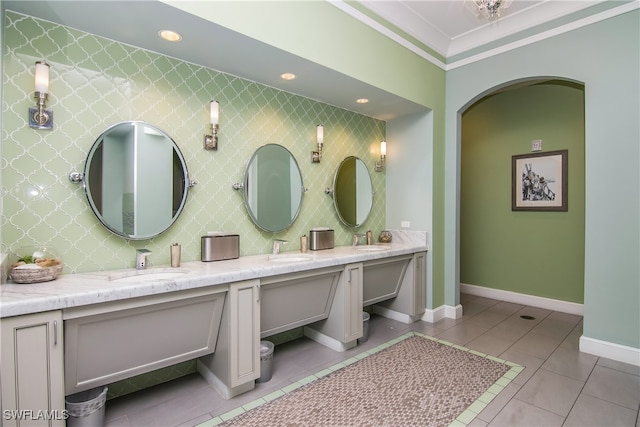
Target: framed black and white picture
column 539, row 181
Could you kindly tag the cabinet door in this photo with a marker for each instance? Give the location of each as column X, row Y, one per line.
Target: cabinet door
column 32, row 370
column 244, row 332
column 353, row 301
column 420, row 283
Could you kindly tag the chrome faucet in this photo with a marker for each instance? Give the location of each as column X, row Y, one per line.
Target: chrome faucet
column 141, row 258
column 276, row 245
column 356, row 239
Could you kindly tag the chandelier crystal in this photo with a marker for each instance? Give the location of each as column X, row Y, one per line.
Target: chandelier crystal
column 491, row 8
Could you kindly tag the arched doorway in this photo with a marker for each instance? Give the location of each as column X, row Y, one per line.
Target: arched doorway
column 505, row 252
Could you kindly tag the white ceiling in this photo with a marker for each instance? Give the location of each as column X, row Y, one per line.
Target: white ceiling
column 449, row 27
column 452, row 27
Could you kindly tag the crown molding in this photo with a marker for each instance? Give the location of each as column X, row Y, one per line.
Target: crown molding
column 627, row 7
column 350, row 10
column 481, row 36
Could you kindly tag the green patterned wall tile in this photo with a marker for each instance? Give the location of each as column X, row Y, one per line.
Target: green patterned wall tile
column 96, row 83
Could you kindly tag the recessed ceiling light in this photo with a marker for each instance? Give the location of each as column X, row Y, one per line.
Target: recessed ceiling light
column 288, row 76
column 362, row 100
column 169, row 35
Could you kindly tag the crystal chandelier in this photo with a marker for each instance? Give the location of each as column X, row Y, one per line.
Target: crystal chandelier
column 491, row 8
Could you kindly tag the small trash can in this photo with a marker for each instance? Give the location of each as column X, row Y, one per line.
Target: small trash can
column 266, row 361
column 365, row 327
column 86, row 408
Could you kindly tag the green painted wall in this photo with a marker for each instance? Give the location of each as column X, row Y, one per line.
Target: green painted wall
column 533, row 253
column 605, row 57
column 411, row 191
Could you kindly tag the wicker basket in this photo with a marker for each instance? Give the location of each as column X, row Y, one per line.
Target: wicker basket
column 35, row 275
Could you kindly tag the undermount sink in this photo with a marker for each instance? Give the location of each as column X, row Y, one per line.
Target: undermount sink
column 290, row 258
column 372, row 248
column 148, row 275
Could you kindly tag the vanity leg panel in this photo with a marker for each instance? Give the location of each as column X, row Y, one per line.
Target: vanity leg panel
column 235, row 365
column 410, row 303
column 343, row 327
column 33, row 370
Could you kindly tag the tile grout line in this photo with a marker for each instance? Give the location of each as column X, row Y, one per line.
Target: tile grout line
column 541, row 368
column 581, row 388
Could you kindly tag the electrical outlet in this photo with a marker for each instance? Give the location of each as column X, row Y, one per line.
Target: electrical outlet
column 405, row 224
column 536, row 145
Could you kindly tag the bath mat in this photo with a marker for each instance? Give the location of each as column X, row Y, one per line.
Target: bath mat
column 414, row 380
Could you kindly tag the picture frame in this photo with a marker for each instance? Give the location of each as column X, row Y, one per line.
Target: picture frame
column 539, row 181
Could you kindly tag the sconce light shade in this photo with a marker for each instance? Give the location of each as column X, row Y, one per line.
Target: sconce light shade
column 383, row 155
column 214, row 112
column 42, row 77
column 211, row 140
column 40, row 117
column 316, row 156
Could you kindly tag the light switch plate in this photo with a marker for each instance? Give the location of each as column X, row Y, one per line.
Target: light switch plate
column 536, row 145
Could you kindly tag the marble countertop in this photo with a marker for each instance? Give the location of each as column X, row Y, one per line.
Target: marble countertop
column 73, row 290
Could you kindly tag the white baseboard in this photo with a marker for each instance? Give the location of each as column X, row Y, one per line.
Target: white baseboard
column 453, row 312
column 530, row 300
column 442, row 312
column 613, row 351
column 593, row 346
column 434, row 315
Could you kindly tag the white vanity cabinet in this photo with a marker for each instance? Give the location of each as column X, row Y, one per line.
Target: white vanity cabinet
column 420, row 284
column 296, row 299
column 353, row 302
column 384, row 278
column 32, row 370
column 408, row 303
column 342, row 328
column 235, row 365
column 108, row 335
column 112, row 341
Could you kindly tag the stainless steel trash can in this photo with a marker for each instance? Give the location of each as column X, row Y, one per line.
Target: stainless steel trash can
column 266, row 361
column 365, row 327
column 86, row 408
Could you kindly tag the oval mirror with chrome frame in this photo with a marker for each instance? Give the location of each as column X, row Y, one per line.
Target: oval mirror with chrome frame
column 352, row 192
column 272, row 188
column 135, row 179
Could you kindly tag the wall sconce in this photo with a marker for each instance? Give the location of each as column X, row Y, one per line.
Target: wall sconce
column 316, row 156
column 211, row 140
column 383, row 154
column 39, row 118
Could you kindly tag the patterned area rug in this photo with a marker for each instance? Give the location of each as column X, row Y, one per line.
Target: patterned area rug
column 414, row 380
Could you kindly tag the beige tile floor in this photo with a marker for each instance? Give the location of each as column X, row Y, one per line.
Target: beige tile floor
column 560, row 385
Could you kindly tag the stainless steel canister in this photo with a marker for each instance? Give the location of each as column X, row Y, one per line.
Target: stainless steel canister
column 218, row 247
